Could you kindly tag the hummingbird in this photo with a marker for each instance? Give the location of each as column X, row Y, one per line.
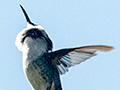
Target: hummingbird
column 41, row 65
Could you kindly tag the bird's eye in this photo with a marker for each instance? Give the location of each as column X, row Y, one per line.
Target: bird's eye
column 23, row 34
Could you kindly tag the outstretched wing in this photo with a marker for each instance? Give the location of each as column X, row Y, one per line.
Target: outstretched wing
column 66, row 58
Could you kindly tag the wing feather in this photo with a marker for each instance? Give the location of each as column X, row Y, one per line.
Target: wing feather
column 66, row 58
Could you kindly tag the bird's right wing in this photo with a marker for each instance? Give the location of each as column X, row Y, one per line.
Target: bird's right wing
column 66, row 58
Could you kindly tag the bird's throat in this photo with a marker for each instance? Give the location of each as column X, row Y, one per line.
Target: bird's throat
column 32, row 49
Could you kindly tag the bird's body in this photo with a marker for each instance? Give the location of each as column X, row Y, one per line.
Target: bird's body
column 43, row 67
column 37, row 62
column 38, row 67
column 42, row 74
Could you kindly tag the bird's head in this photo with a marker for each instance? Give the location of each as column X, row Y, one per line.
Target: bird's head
column 32, row 31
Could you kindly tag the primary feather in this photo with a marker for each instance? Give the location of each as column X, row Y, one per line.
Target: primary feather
column 66, row 58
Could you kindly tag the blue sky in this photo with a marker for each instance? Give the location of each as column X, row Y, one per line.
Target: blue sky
column 69, row 23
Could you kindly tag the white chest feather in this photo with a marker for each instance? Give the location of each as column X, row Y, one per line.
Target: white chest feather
column 32, row 49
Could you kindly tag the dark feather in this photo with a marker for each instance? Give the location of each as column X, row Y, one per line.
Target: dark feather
column 66, row 58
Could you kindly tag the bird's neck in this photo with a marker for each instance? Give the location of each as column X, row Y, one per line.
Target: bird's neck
column 32, row 49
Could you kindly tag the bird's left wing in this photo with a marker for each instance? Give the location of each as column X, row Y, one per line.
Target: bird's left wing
column 66, row 58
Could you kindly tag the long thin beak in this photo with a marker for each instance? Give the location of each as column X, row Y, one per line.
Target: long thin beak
column 26, row 16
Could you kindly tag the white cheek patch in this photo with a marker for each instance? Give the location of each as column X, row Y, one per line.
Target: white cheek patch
column 19, row 37
column 18, row 42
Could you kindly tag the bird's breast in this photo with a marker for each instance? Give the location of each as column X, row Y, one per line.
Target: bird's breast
column 41, row 74
column 35, row 77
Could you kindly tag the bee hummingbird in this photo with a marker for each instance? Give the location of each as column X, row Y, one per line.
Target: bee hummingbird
column 41, row 65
